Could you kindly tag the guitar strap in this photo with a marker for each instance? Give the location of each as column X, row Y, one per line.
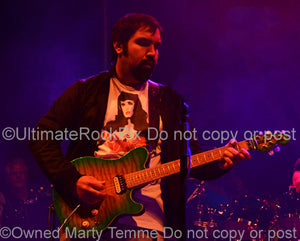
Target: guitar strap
column 154, row 112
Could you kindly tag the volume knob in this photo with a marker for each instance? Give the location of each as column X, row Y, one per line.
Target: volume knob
column 94, row 212
column 85, row 224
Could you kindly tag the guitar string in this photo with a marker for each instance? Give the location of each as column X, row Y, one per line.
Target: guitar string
column 198, row 159
column 134, row 178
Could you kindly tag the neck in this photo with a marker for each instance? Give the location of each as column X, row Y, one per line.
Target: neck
column 126, row 77
column 21, row 192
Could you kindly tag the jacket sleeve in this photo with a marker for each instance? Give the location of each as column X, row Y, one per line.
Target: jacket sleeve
column 208, row 171
column 171, row 111
column 46, row 143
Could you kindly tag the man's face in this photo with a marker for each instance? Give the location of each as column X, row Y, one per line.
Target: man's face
column 142, row 53
column 17, row 176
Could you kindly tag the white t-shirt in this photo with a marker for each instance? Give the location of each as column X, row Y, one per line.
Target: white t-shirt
column 125, row 128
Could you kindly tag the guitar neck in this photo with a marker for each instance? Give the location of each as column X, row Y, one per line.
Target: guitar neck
column 147, row 175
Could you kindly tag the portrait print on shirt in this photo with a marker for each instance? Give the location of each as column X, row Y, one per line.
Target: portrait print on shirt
column 127, row 130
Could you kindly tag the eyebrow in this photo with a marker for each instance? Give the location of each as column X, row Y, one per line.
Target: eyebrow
column 146, row 40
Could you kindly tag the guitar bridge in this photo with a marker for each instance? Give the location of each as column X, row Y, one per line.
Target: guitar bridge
column 120, row 184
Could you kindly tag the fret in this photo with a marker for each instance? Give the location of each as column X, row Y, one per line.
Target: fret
column 193, row 162
column 159, row 171
column 128, row 181
column 133, row 178
column 174, row 167
column 221, row 154
column 166, row 169
column 147, row 174
column 150, row 173
column 217, row 155
column 208, row 156
column 198, row 159
column 154, row 172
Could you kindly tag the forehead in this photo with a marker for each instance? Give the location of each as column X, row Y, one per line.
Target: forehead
column 16, row 168
column 144, row 32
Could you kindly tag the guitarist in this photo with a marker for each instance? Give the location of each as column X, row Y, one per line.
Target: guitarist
column 121, row 104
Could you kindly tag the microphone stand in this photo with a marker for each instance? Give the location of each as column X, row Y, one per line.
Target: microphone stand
column 185, row 157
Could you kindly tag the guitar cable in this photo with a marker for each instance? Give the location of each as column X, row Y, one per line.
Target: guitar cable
column 51, row 210
column 68, row 218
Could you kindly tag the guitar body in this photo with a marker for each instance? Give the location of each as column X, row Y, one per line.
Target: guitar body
column 113, row 204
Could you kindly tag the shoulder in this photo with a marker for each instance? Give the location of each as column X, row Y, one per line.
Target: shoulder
column 79, row 87
column 85, row 88
column 166, row 92
column 95, row 80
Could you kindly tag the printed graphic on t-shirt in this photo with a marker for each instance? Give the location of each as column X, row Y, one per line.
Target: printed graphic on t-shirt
column 128, row 128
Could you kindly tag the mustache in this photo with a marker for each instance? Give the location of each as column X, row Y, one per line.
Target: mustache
column 150, row 62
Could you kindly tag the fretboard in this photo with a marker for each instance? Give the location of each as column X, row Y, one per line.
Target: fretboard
column 150, row 174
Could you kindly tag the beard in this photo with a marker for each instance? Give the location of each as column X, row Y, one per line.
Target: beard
column 143, row 71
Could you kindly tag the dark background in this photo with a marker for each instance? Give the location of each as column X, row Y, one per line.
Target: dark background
column 235, row 62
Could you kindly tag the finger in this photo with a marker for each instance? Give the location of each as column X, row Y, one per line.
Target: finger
column 232, row 143
column 98, row 185
column 228, row 162
column 231, row 152
column 93, row 182
column 92, row 196
column 246, row 154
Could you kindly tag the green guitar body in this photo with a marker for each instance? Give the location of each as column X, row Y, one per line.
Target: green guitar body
column 113, row 204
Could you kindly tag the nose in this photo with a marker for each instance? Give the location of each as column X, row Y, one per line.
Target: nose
column 151, row 50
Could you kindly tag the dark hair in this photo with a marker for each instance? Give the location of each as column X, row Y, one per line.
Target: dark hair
column 126, row 26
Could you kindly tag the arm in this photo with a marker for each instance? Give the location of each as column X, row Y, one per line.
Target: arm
column 218, row 168
column 63, row 115
column 171, row 116
column 47, row 151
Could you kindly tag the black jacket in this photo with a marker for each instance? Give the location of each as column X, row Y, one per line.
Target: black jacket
column 84, row 104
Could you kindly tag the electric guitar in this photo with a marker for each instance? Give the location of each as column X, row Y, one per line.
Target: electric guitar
column 123, row 175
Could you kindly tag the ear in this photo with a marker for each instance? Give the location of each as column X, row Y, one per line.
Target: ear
column 118, row 47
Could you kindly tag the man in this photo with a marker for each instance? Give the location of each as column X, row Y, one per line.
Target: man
column 24, row 206
column 296, row 175
column 93, row 103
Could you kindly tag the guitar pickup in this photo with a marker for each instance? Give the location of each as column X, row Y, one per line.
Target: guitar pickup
column 120, row 184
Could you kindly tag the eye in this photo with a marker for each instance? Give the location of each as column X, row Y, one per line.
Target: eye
column 130, row 102
column 143, row 42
